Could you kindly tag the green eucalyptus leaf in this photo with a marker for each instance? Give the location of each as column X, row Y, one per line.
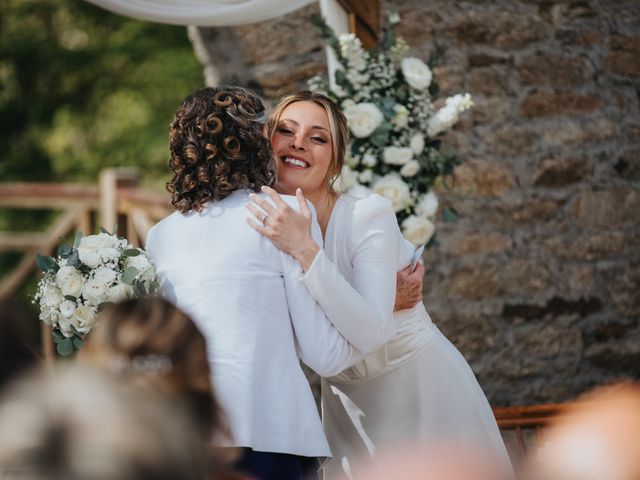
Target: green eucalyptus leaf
column 380, row 136
column 57, row 336
column 77, row 239
column 153, row 286
column 74, row 259
column 129, row 275
column 65, row 347
column 78, row 343
column 46, row 263
column 104, row 230
column 71, row 298
column 131, row 252
column 64, row 250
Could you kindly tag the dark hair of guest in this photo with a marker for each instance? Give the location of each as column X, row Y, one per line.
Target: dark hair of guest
column 217, row 147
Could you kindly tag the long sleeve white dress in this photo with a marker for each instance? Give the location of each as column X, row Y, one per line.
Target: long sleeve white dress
column 417, row 387
column 259, row 322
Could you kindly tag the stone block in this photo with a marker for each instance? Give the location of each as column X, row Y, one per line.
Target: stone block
column 623, row 285
column 609, row 208
column 502, row 28
column 575, row 37
column 549, row 69
column 478, row 283
column 487, row 110
column 564, row 103
column 559, row 172
column 510, row 140
column 624, row 56
column 277, row 81
column 286, row 36
column 596, row 245
column 489, row 80
column 483, row 178
column 449, row 78
column 524, row 276
column 469, row 243
column 574, row 131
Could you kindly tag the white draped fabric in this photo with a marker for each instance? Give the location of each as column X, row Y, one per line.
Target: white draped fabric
column 214, row 13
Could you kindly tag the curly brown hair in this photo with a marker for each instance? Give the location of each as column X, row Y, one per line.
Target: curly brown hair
column 217, row 147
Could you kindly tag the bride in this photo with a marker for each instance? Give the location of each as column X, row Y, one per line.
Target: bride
column 417, row 387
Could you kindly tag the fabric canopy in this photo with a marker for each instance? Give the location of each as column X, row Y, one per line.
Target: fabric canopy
column 202, row 12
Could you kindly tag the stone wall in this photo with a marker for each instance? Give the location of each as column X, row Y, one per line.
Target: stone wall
column 538, row 281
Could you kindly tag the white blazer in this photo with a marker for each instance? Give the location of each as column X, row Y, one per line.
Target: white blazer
column 259, row 321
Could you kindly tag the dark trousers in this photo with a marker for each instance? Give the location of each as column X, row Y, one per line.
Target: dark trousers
column 275, row 466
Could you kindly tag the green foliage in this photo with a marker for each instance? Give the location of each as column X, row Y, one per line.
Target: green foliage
column 82, row 89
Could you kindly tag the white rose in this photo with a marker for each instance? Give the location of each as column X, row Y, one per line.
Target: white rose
column 417, row 143
column 360, row 191
column 428, row 205
column 95, row 292
column 90, row 257
column 448, row 115
column 392, row 187
column 70, row 281
column 363, row 119
column 66, row 324
column 410, row 169
column 67, row 308
column 120, row 292
column 98, row 242
column 397, row 155
column 418, row 230
column 369, row 160
column 51, row 296
column 109, row 253
column 348, row 103
column 416, row 73
column 84, row 318
column 141, row 262
column 347, row 179
column 104, row 275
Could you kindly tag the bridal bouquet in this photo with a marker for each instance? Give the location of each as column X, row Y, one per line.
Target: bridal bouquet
column 97, row 269
column 388, row 99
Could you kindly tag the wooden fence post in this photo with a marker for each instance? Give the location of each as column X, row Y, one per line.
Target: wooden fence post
column 112, row 179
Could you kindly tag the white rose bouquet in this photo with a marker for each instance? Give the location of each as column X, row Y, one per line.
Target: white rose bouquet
column 97, row 269
column 388, row 99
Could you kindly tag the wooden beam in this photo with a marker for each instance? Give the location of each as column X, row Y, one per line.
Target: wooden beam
column 364, row 20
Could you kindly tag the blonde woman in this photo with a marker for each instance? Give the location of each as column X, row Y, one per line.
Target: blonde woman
column 417, row 387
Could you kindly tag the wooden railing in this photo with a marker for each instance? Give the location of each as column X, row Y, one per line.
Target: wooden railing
column 520, row 426
column 117, row 202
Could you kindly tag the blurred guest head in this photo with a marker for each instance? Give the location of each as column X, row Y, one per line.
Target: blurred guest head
column 153, row 343
column 79, row 424
column 597, row 438
column 16, row 353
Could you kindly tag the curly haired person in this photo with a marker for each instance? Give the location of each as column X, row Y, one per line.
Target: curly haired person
column 258, row 319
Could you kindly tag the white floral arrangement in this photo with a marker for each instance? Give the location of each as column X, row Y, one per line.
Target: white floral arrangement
column 388, row 99
column 96, row 270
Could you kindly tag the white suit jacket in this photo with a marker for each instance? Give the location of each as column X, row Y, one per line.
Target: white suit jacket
column 259, row 321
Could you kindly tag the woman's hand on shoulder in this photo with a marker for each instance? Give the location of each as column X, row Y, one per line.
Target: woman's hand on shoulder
column 288, row 229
